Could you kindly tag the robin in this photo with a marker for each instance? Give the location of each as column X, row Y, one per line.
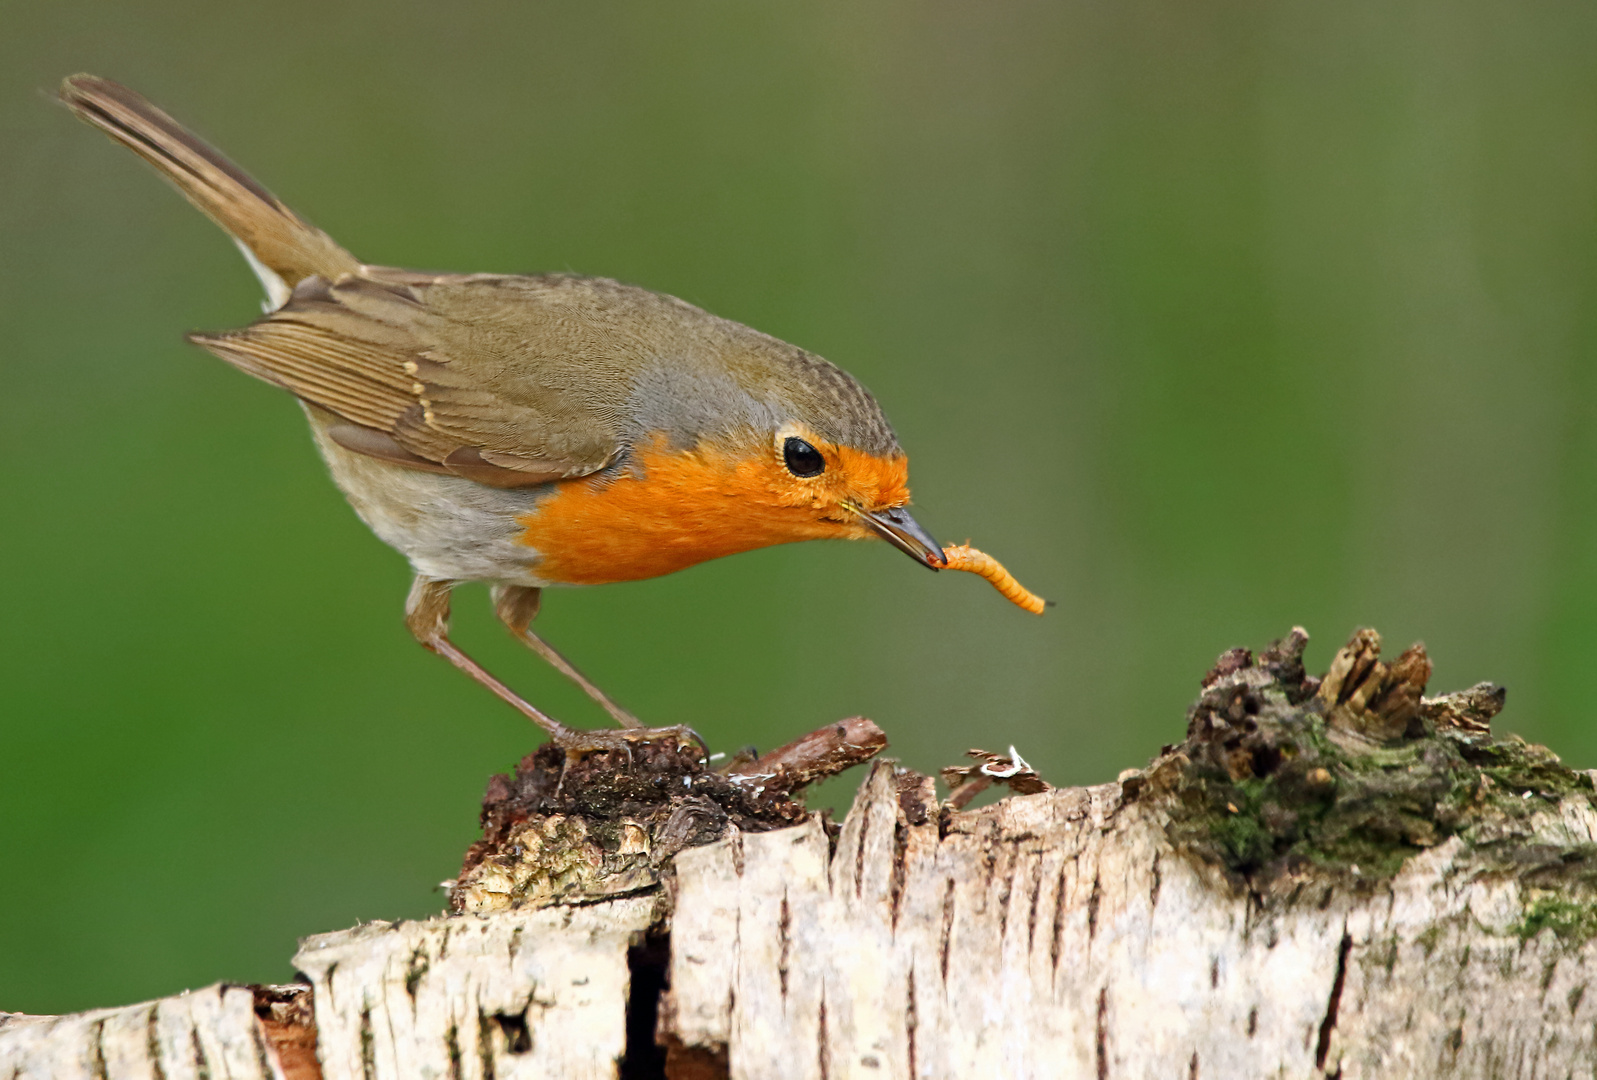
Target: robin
column 529, row 431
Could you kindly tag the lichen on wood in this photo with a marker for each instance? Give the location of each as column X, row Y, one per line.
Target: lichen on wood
column 606, row 824
column 1284, row 779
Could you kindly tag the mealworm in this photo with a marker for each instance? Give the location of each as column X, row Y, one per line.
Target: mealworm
column 965, row 557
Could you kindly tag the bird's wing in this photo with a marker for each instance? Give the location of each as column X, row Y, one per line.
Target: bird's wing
column 483, row 377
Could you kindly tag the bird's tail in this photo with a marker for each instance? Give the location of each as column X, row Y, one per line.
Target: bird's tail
column 279, row 243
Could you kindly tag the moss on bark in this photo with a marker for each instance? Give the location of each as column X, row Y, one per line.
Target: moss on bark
column 1285, row 779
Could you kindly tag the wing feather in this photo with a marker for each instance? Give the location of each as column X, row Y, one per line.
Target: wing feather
column 368, row 350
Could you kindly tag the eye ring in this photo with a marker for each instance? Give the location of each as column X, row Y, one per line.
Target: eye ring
column 801, row 458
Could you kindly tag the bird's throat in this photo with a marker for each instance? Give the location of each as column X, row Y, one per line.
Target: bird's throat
column 674, row 508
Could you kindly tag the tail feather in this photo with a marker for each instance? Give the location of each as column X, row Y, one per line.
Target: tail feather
column 271, row 235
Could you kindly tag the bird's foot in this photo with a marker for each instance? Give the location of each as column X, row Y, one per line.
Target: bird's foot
column 577, row 744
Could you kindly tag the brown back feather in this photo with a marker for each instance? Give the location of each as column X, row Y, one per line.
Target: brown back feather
column 285, row 243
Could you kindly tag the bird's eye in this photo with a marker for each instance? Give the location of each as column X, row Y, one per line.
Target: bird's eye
column 802, row 458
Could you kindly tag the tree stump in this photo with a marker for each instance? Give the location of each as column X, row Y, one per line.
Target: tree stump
column 1328, row 877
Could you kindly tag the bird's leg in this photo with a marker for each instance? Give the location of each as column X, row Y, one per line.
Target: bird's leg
column 427, row 616
column 517, row 606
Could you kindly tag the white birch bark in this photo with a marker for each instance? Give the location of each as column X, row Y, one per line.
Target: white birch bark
column 1058, row 935
column 526, row 994
column 1052, row 935
column 209, row 1033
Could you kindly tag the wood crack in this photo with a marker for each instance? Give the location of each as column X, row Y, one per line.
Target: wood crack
column 946, row 937
column 822, row 1050
column 1031, row 908
column 368, row 1047
column 452, row 1047
column 1327, row 1025
column 97, row 1067
column 1004, row 892
column 911, row 1022
column 859, row 855
column 784, row 924
column 202, row 1065
column 485, row 1046
column 1101, row 1035
column 900, row 866
column 152, row 1042
column 1059, row 919
column 263, row 1055
column 647, row 964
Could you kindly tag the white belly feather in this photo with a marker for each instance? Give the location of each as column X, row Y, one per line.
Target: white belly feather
column 447, row 526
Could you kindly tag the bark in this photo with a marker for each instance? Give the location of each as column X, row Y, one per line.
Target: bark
column 1328, row 877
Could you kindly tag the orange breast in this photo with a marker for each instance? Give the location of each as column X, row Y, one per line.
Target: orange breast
column 677, row 508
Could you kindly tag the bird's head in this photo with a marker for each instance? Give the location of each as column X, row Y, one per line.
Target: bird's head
column 845, row 490
column 817, row 457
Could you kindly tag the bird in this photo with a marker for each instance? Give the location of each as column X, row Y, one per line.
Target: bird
column 529, row 431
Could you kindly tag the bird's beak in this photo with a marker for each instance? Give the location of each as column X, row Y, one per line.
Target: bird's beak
column 904, row 533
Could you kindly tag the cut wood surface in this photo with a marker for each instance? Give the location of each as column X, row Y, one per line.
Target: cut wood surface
column 528, row 993
column 1329, row 877
column 212, row 1032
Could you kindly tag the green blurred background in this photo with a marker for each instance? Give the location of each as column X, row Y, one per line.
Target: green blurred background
column 1207, row 319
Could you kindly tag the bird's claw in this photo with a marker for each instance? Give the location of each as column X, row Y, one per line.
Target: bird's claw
column 579, row 743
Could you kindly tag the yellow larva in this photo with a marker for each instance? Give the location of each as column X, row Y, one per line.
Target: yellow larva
column 965, row 557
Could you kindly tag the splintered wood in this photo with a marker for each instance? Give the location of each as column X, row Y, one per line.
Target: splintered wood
column 539, row 993
column 206, row 1033
column 1058, row 935
column 964, row 557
